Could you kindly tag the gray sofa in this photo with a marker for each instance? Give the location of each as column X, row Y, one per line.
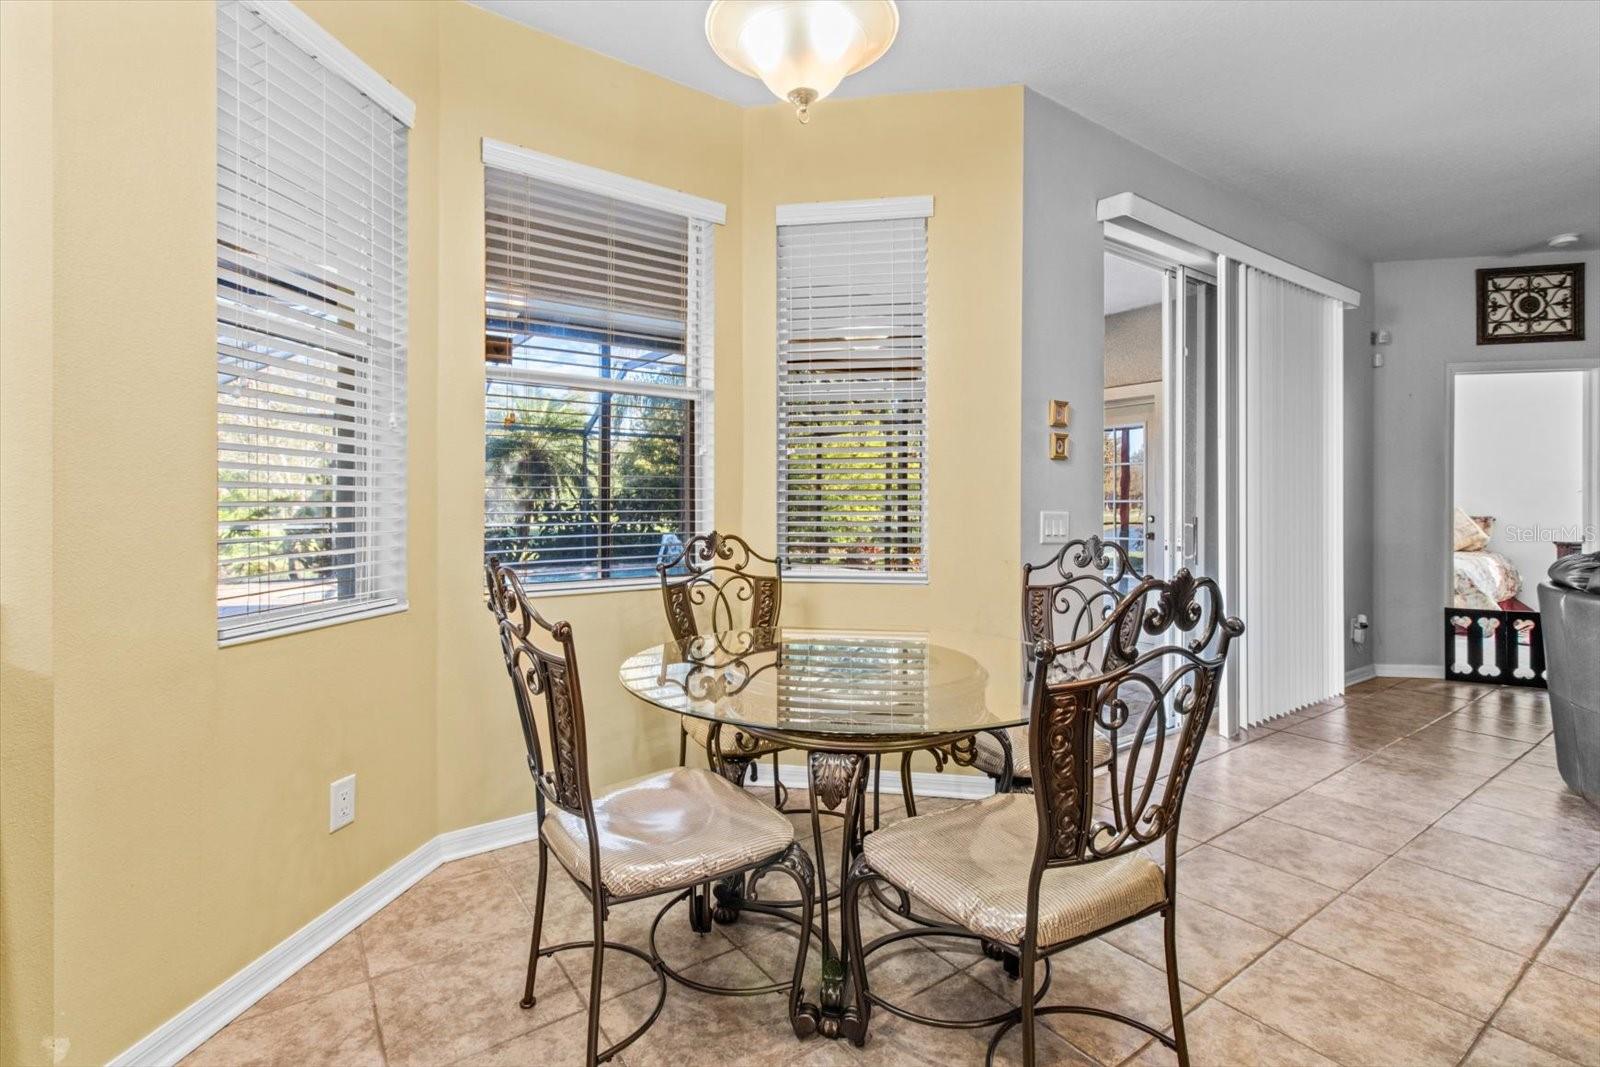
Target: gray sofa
column 1569, row 604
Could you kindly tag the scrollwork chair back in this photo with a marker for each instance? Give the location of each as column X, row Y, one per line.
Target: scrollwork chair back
column 1176, row 680
column 541, row 675
column 1068, row 596
column 718, row 583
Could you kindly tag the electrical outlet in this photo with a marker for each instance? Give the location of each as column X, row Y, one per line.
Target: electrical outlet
column 1053, row 528
column 342, row 803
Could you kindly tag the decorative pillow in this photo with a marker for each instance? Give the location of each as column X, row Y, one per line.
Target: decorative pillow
column 1468, row 534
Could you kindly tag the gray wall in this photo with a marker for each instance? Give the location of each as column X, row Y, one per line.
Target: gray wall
column 1133, row 346
column 1069, row 164
column 1429, row 307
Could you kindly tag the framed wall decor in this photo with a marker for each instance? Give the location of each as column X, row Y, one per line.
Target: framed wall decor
column 1060, row 414
column 1060, row 445
column 1518, row 305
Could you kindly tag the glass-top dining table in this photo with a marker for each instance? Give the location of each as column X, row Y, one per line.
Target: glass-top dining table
column 844, row 698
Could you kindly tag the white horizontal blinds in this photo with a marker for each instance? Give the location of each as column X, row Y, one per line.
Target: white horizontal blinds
column 311, row 338
column 852, row 397
column 1293, row 488
column 598, row 328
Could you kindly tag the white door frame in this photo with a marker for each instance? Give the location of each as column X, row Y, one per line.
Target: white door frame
column 1591, row 446
column 1140, row 403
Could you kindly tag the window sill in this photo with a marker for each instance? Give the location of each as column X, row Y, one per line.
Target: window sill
column 835, row 578
column 373, row 611
column 586, row 588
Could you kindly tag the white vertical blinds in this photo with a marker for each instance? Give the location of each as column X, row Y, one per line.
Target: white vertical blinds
column 311, row 338
column 1292, row 486
column 852, row 397
column 599, row 322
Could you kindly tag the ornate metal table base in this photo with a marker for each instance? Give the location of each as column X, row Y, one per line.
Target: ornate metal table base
column 836, row 779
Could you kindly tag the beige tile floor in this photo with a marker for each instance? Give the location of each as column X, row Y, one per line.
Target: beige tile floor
column 1397, row 878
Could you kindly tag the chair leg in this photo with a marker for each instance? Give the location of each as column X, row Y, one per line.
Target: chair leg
column 850, row 923
column 797, row 862
column 877, row 789
column 596, row 971
column 1169, row 929
column 905, row 785
column 528, row 999
column 1030, row 956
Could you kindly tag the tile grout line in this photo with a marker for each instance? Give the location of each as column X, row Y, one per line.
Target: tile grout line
column 1205, row 996
column 1286, row 937
column 1270, row 730
column 377, row 1023
column 1527, row 961
column 1532, row 959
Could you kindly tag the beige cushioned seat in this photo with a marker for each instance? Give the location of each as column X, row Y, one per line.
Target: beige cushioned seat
column 991, row 758
column 668, row 830
column 699, row 731
column 971, row 863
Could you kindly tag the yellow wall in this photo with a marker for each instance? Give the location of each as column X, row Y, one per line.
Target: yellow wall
column 964, row 148
column 527, row 89
column 190, row 821
column 181, row 788
column 27, row 767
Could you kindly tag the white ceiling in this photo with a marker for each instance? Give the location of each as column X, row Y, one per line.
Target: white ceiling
column 1130, row 285
column 1407, row 130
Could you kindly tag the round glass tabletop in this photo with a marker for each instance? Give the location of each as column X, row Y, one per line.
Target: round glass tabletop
column 818, row 684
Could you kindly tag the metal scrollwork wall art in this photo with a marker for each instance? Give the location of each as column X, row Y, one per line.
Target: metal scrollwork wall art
column 1517, row 305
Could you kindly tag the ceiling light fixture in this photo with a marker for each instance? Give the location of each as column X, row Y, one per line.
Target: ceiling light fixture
column 801, row 49
column 1562, row 240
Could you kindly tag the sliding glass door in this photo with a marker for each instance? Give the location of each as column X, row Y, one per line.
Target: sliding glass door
column 1188, row 328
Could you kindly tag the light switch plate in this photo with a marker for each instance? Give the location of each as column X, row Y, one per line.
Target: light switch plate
column 1053, row 528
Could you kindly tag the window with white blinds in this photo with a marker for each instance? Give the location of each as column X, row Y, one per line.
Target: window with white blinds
column 598, row 324
column 852, row 389
column 311, row 328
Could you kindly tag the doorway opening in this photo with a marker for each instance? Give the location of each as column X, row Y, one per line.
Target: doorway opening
column 1523, row 493
column 1159, row 440
column 1159, row 431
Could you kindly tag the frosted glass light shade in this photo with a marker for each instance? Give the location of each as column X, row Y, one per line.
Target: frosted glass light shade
column 801, row 49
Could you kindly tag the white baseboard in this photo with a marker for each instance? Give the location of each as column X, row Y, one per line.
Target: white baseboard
column 186, row 1031
column 1359, row 674
column 182, row 1034
column 1410, row 670
column 923, row 783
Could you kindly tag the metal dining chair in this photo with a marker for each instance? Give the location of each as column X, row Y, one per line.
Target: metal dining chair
column 672, row 832
column 715, row 584
column 1089, row 870
column 1063, row 599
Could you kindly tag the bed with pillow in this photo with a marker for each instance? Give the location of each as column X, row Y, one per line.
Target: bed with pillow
column 1482, row 579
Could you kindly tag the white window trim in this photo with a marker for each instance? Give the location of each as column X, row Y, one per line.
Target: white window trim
column 526, row 161
column 581, row 587
column 305, row 32
column 520, row 160
column 880, row 209
column 844, row 576
column 267, row 631
column 300, row 30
